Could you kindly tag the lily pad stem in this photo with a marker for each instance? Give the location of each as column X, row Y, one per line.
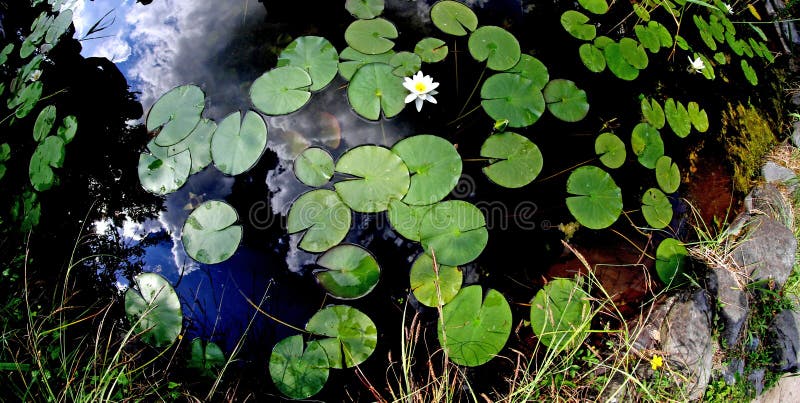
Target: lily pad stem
column 464, row 115
column 563, row 171
column 475, row 88
column 439, row 306
column 272, row 317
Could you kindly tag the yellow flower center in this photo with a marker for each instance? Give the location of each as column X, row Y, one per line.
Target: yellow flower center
column 420, row 87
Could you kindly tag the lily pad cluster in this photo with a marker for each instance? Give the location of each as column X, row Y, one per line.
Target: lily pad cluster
column 50, row 151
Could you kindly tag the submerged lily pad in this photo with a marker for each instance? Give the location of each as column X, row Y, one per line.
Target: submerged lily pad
column 177, row 113
column 371, row 37
column 647, row 144
column 515, row 160
column 405, row 64
column 375, row 88
column 670, row 262
column 209, row 235
column 453, row 18
column 350, row 60
column 498, row 47
column 560, row 314
column 164, row 175
column 314, row 167
column 677, row 117
column 154, row 309
column 577, row 25
column 205, row 357
column 428, row 284
column 434, row 165
column 48, row 155
column 653, row 113
column 379, row 176
column 298, row 373
column 513, row 97
column 353, row 335
column 698, row 117
column 44, row 123
column 592, row 57
column 431, row 50
column 238, row 142
column 656, row 208
column 668, row 175
column 281, row 90
column 324, row 217
column 364, row 9
column 473, row 329
column 531, row 68
column 348, row 271
column 598, row 200
column 610, row 149
column 454, row 231
column 565, row 100
column 315, row 55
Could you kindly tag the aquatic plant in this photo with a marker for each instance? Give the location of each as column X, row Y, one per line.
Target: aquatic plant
column 154, row 310
column 559, row 313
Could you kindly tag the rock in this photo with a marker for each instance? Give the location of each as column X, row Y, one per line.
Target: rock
column 776, row 173
column 726, row 287
column 786, row 340
column 686, row 340
column 767, row 251
column 786, row 390
column 796, row 133
column 648, row 334
column 767, row 199
column 734, row 369
column 756, row 378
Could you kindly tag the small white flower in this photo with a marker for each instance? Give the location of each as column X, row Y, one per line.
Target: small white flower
column 696, row 65
column 727, row 8
column 35, row 75
column 421, row 88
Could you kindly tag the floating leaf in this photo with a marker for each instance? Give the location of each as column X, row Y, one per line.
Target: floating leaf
column 364, row 9
column 648, row 38
column 453, row 18
column 205, row 357
column 5, row 52
column 48, row 155
column 406, row 219
column 428, row 284
column 513, row 97
column 379, row 175
column 209, row 235
column 576, row 24
column 315, row 55
column 59, row 26
column 405, row 64
column 594, row 6
column 296, row 373
column 68, row 128
column 668, row 175
column 653, row 113
column 164, row 175
column 647, row 144
column 314, row 167
column 598, row 200
column 431, row 50
column 677, row 117
column 374, row 88
column 592, row 57
column 670, row 262
column 602, row 41
column 351, row 60
column 698, row 117
column 531, row 68
column 324, row 217
column 633, row 53
column 371, row 37
column 561, row 314
column 610, row 149
column 353, row 335
column 720, row 58
column 656, row 208
column 749, row 73
column 565, row 100
column 177, row 113
column 281, row 90
column 348, row 271
column 498, row 47
column 474, row 329
column 514, row 160
column 238, row 142
column 154, row 310
column 455, row 231
column 641, row 12
column 434, row 165
column 617, row 64
column 44, row 123
column 26, row 99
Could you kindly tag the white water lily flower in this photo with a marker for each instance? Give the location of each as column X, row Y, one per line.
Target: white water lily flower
column 696, row 65
column 35, row 75
column 727, row 8
column 422, row 89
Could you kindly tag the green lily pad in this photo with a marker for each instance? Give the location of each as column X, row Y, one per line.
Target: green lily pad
column 514, row 160
column 633, row 53
column 576, row 24
column 434, row 165
column 405, row 64
column 453, row 18
column 668, row 175
column 205, row 357
column 371, row 37
column 641, row 12
column 648, row 38
column 677, row 117
column 406, row 219
column 431, row 50
column 594, row 6
column 59, row 26
column 350, row 60
column 565, row 100
column 154, row 310
column 379, row 176
column 68, row 128
column 598, row 200
column 353, row 335
column 209, row 235
column 364, row 9
column 314, row 167
column 298, row 374
column 531, row 68
column 26, row 99
column 698, row 117
column 454, row 231
column 199, row 145
column 617, row 63
column 49, row 154
column 375, row 88
column 238, row 142
column 315, row 55
column 749, row 73
column 324, row 217
column 670, row 262
column 592, row 57
column 513, row 97
column 647, row 144
column 720, row 58
column 560, row 314
column 164, row 175
column 281, row 90
column 602, row 41
column 656, row 208
column 498, row 47
column 610, row 149
column 474, row 329
column 348, row 271
column 177, row 113
column 5, row 52
column 653, row 113
column 44, row 123
column 428, row 284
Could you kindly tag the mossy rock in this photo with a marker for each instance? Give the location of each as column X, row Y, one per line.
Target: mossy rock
column 747, row 136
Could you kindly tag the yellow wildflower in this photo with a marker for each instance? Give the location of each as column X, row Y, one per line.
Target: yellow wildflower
column 656, row 362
